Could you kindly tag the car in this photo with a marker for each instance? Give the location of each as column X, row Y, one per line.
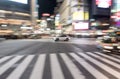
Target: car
column 117, row 32
column 7, row 33
column 62, row 37
column 99, row 33
column 108, row 44
column 35, row 36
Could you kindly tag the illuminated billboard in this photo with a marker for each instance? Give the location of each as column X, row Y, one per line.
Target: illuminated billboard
column 103, row 3
column 45, row 14
column 80, row 25
column 79, row 15
column 101, row 7
column 15, row 5
column 21, row 1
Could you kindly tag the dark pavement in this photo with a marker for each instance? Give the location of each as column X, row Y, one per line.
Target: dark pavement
column 27, row 47
column 46, row 59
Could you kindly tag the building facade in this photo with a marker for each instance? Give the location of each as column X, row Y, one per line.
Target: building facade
column 85, row 14
column 14, row 14
column 73, row 13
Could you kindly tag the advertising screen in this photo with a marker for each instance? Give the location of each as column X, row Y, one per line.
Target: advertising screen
column 15, row 5
column 78, row 15
column 118, row 24
column 103, row 3
column 21, row 1
column 101, row 7
column 81, row 25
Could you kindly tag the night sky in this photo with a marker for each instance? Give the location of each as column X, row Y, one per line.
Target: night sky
column 46, row 6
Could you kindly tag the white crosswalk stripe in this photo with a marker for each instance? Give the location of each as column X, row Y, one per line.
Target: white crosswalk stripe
column 73, row 69
column 91, row 69
column 5, row 58
column 9, row 64
column 112, row 58
column 106, row 60
column 101, row 65
column 16, row 74
column 116, row 56
column 38, row 69
column 83, row 59
column 55, row 67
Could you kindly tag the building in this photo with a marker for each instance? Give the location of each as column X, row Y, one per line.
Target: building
column 85, row 14
column 72, row 13
column 100, row 14
column 14, row 14
column 115, row 13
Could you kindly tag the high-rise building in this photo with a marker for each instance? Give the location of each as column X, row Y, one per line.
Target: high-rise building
column 100, row 14
column 85, row 14
column 14, row 13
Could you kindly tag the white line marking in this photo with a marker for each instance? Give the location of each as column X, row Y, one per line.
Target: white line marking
column 73, row 69
column 4, row 59
column 55, row 68
column 9, row 64
column 39, row 67
column 116, row 56
column 91, row 69
column 110, row 57
column 105, row 60
column 101, row 65
column 16, row 74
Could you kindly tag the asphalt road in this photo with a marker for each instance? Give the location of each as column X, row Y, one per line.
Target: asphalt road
column 46, row 59
column 45, row 46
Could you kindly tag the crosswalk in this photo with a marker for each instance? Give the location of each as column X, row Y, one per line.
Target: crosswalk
column 81, row 65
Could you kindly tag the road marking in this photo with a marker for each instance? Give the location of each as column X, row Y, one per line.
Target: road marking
column 110, row 57
column 55, row 68
column 4, row 59
column 73, row 69
column 9, row 64
column 39, row 67
column 91, row 69
column 16, row 74
column 101, row 65
column 118, row 56
column 105, row 60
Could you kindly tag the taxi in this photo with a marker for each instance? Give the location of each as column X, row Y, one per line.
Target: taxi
column 108, row 44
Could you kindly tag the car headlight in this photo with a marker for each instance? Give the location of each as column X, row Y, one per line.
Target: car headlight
column 108, row 47
column 115, row 44
column 118, row 47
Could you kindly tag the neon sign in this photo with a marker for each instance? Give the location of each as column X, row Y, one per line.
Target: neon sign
column 103, row 3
